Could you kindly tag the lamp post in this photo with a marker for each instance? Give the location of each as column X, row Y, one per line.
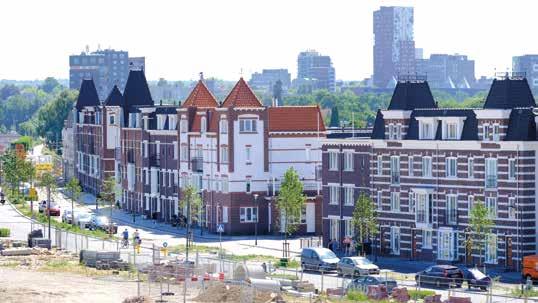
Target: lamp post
column 520, row 224
column 257, row 215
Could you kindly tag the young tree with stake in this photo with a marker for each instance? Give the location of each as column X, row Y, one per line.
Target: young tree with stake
column 364, row 219
column 480, row 224
column 75, row 190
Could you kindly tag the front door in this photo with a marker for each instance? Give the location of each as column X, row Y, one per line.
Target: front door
column 310, row 218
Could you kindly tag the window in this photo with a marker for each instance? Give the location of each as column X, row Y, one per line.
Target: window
column 427, row 166
column 161, row 119
column 392, row 131
column 225, row 184
column 247, row 125
column 146, row 147
column 112, row 119
column 512, row 169
column 491, row 205
column 470, row 167
column 427, row 238
column 470, row 200
column 410, row 165
column 491, row 249
column 395, row 201
column 451, row 167
column 248, row 214
column 172, row 121
column 485, row 132
column 203, row 124
column 333, row 160
column 348, row 195
column 248, row 153
column 183, row 125
column 395, row 169
column 511, row 208
column 451, row 131
column 184, row 152
column 398, row 132
column 307, row 153
column 491, row 173
column 224, row 154
column 452, row 209
column 223, row 127
column 247, row 183
column 379, row 200
column 334, row 194
column 395, row 240
column 422, row 208
column 411, row 198
column 379, row 165
column 225, row 214
column 348, row 228
column 425, row 130
column 496, row 134
column 174, row 145
column 348, row 161
column 447, row 246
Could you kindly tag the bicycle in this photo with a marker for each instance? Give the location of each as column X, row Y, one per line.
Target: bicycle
column 125, row 243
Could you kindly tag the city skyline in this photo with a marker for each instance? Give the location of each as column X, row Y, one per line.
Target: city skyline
column 164, row 34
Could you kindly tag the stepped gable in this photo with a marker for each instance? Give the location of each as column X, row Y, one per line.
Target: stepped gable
column 410, row 95
column 509, row 93
column 295, row 119
column 87, row 95
column 115, row 98
column 136, row 91
column 200, row 97
column 241, row 95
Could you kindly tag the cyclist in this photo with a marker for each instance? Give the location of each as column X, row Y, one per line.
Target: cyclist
column 136, row 236
column 125, row 241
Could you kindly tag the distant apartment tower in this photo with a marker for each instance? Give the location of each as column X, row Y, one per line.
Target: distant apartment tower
column 268, row 77
column 106, row 67
column 394, row 47
column 527, row 64
column 447, row 71
column 316, row 70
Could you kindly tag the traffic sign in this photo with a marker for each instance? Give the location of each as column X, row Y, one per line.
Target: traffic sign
column 165, row 244
column 220, row 228
column 32, row 194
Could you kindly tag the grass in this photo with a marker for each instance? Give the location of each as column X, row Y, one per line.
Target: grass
column 420, row 294
column 284, row 276
column 5, row 232
column 196, row 247
column 528, row 293
column 358, row 296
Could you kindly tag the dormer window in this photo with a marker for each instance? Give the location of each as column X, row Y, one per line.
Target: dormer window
column 172, row 121
column 183, row 126
column 485, row 132
column 426, row 130
column 451, row 131
column 247, row 125
column 203, row 124
column 112, row 119
column 495, row 131
column 395, row 131
column 161, row 120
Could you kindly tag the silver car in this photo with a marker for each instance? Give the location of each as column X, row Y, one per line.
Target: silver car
column 356, row 266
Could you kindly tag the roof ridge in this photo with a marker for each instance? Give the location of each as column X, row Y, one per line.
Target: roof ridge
column 195, row 99
column 233, row 98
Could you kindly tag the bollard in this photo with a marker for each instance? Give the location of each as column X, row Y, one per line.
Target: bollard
column 322, row 275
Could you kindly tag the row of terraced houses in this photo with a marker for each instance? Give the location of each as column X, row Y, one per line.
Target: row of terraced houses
column 423, row 166
column 234, row 151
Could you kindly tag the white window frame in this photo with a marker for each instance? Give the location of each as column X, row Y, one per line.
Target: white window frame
column 496, row 132
column 491, row 254
column 422, row 208
column 395, row 170
column 334, row 194
column 184, row 152
column 225, row 214
column 451, row 167
column 349, row 191
column 247, row 125
column 491, row 172
column 425, row 130
column 470, row 167
column 379, row 161
column 447, row 245
column 248, row 154
column 512, row 169
column 512, row 208
column 333, row 160
column 244, row 213
column 427, row 166
column 485, row 132
column 427, row 236
column 224, row 154
column 223, row 126
column 491, row 205
column 395, row 204
column 348, row 228
column 410, row 166
column 451, row 131
column 348, row 161
column 395, row 240
column 379, row 200
column 452, row 209
column 183, row 126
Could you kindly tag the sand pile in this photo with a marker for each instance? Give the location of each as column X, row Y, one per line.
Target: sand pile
column 219, row 292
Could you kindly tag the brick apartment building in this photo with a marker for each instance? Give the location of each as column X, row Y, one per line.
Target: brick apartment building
column 428, row 165
column 235, row 152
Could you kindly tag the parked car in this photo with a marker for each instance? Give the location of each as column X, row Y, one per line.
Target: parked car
column 103, row 223
column 356, row 266
column 362, row 283
column 475, row 278
column 318, row 258
column 440, row 276
column 53, row 210
column 67, row 216
column 83, row 220
column 42, row 206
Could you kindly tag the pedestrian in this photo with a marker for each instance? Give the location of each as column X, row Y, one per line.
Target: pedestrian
column 331, row 245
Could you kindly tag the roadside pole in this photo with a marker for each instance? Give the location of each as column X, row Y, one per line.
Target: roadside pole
column 220, row 230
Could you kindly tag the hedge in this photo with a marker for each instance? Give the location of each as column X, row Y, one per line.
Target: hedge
column 5, row 232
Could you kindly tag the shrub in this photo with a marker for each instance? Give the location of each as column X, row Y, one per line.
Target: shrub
column 5, row 232
column 420, row 294
column 355, row 295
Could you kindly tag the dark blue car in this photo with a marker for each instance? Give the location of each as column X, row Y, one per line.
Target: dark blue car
column 475, row 278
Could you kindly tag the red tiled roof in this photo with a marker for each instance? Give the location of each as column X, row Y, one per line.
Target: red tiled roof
column 295, row 118
column 200, row 97
column 241, row 96
column 212, row 123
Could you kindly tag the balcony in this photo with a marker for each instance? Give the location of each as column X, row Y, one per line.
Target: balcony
column 273, row 189
column 491, row 181
column 197, row 164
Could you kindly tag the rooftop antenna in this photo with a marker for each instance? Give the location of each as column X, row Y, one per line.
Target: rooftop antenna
column 201, row 76
column 87, row 48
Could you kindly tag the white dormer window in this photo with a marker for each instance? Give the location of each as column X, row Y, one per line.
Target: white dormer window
column 398, row 135
column 496, row 133
column 161, row 120
column 393, row 131
column 223, row 126
column 451, row 131
column 172, row 121
column 183, row 126
column 425, row 130
column 112, row 119
column 203, row 125
column 485, row 132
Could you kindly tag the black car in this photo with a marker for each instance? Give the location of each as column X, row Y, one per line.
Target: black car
column 440, row 276
column 476, row 278
column 362, row 283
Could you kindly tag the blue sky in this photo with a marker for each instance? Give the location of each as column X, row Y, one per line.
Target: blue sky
column 182, row 38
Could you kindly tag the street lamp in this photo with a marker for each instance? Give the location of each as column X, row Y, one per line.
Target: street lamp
column 257, row 215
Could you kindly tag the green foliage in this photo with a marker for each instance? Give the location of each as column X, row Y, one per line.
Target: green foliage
column 8, row 90
column 291, row 200
column 335, row 118
column 74, row 189
column 108, row 190
column 26, row 141
column 480, row 224
column 5, row 232
column 419, row 294
column 49, row 84
column 16, row 170
column 364, row 218
column 191, row 200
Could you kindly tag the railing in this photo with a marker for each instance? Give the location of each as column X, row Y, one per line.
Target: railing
column 491, row 181
column 274, row 188
column 197, row 164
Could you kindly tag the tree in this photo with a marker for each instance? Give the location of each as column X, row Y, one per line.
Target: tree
column 48, row 181
column 335, row 118
column 15, row 169
column 74, row 189
column 364, row 219
column 290, row 201
column 480, row 224
column 8, row 90
column 108, row 194
column 49, row 84
column 192, row 202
